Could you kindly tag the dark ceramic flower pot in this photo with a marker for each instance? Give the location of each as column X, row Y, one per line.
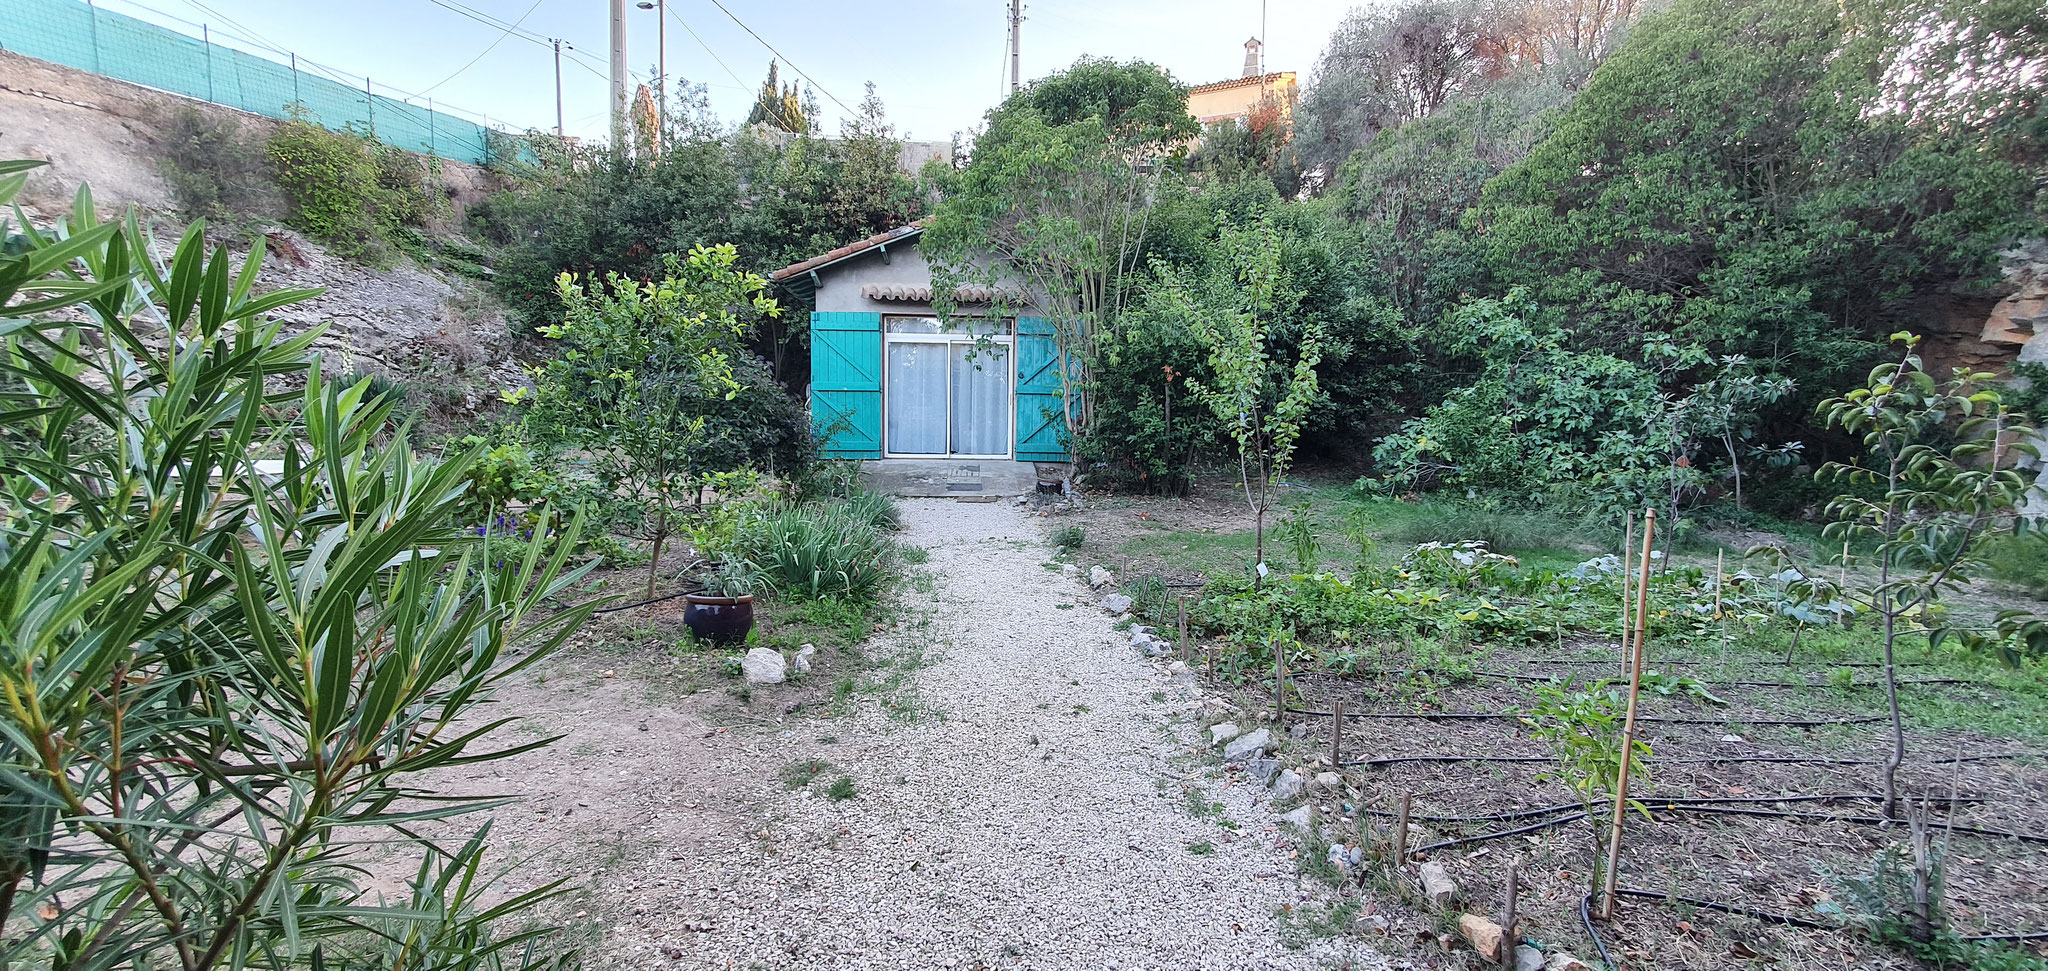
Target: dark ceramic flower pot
column 719, row 620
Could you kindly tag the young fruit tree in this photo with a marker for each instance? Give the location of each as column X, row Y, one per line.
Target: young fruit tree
column 1260, row 402
column 223, row 681
column 1939, row 472
column 640, row 366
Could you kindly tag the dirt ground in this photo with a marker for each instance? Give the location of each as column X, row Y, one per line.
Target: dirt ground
column 995, row 779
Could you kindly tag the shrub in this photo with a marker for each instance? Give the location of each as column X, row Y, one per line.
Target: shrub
column 227, row 684
column 875, row 509
column 816, row 551
column 214, row 169
column 346, row 188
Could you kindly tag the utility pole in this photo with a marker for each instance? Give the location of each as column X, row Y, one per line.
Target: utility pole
column 1016, row 19
column 558, row 87
column 620, row 77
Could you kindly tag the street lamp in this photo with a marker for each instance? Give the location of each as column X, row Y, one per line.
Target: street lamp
column 660, row 8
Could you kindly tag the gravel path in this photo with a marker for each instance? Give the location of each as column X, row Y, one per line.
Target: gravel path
column 1031, row 815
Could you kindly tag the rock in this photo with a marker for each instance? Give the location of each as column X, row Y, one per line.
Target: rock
column 1300, row 730
column 1528, row 958
column 1099, row 578
column 1301, row 817
column 1287, row 785
column 802, row 661
column 1117, row 603
column 1484, row 935
column 1263, row 769
column 1437, row 884
column 1338, row 857
column 763, row 666
column 1357, row 855
column 1561, row 961
column 1329, row 780
column 1248, row 746
column 1223, row 732
column 1180, row 669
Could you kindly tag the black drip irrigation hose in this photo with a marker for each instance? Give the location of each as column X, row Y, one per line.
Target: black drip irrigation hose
column 1681, row 809
column 1666, row 720
column 1757, row 661
column 1586, row 917
column 1539, row 679
column 1706, row 760
column 1787, row 919
column 1672, row 803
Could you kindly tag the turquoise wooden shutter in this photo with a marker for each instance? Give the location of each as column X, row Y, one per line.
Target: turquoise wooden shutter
column 846, row 383
column 1040, row 417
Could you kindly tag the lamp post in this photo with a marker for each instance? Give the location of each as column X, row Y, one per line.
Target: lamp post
column 660, row 8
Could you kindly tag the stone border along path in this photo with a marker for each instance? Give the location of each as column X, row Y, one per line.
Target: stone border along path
column 1029, row 818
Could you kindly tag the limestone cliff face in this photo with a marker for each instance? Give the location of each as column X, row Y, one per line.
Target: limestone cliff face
column 2016, row 321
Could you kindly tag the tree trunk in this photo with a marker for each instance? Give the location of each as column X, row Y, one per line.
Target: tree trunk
column 1891, row 691
column 1735, row 466
column 654, row 563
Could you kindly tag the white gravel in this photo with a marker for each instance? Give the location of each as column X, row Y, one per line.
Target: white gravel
column 1030, row 818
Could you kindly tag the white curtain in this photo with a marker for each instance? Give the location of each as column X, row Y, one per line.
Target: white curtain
column 917, row 398
column 981, row 400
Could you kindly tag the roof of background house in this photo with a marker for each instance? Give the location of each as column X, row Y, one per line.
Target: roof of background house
column 1273, row 78
column 848, row 251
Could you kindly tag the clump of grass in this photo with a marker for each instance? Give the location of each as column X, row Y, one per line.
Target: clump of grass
column 1203, row 848
column 842, row 789
column 1069, row 537
column 1499, row 527
column 797, row 775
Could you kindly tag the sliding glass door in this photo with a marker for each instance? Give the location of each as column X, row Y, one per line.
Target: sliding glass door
column 947, row 392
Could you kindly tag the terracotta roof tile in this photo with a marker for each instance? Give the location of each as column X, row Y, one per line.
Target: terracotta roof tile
column 850, row 249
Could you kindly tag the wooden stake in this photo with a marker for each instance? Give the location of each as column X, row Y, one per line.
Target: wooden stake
column 1337, row 736
column 1184, row 625
column 1401, row 832
column 1628, row 546
column 1720, row 577
column 1628, row 725
column 1279, row 686
column 1842, row 578
column 1507, row 955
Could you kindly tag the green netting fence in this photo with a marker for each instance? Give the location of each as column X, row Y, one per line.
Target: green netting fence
column 83, row 36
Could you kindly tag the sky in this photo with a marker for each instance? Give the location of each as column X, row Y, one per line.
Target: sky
column 938, row 65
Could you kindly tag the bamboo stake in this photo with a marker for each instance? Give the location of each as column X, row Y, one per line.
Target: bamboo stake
column 1628, row 725
column 1628, row 546
column 1401, row 832
column 1720, row 577
column 1507, row 951
column 1336, row 736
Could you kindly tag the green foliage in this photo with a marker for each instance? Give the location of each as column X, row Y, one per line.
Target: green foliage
column 1298, row 531
column 1260, row 402
column 227, row 682
column 815, row 551
column 1054, row 197
column 214, row 168
column 642, row 369
column 1943, row 462
column 346, row 188
column 1583, row 727
column 1739, row 176
column 1069, row 537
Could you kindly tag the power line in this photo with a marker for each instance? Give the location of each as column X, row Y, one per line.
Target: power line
column 785, row 58
column 760, row 96
column 493, row 46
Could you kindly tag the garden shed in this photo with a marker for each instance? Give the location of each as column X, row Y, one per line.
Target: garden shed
column 962, row 406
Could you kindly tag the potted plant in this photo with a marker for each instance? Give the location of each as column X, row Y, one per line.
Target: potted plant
column 723, row 612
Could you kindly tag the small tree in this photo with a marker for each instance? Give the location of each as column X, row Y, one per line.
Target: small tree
column 1260, row 402
column 640, row 365
column 1583, row 727
column 1940, row 460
